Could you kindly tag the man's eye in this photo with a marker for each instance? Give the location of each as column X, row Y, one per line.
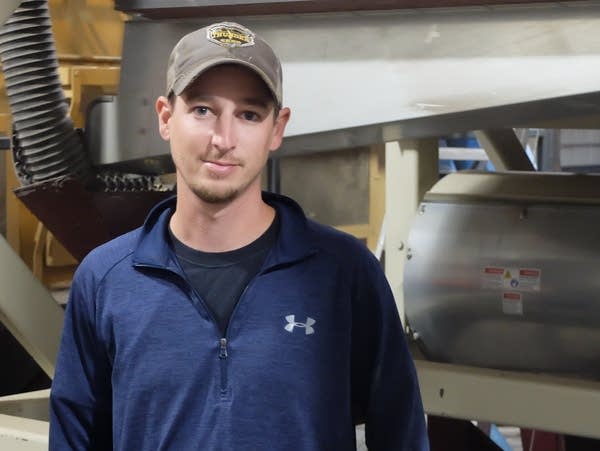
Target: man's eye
column 250, row 116
column 201, row 110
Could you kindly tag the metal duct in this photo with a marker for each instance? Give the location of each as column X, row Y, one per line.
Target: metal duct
column 46, row 145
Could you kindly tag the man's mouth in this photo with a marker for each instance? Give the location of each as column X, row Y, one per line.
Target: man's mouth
column 220, row 167
column 221, row 163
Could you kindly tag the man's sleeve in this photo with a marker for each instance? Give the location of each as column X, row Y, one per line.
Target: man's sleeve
column 385, row 385
column 80, row 398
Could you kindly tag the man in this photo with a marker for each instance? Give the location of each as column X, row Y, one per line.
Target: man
column 229, row 321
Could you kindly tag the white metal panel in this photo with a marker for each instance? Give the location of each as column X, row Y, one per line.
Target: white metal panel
column 397, row 65
column 419, row 72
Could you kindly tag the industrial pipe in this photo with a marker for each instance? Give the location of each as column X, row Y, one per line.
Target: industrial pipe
column 45, row 142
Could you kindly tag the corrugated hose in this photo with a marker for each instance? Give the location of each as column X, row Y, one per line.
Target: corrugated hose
column 45, row 142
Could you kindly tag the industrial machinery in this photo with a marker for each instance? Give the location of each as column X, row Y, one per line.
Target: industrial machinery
column 483, row 261
column 413, row 92
column 501, row 272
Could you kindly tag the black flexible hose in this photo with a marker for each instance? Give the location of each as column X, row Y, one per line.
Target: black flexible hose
column 46, row 144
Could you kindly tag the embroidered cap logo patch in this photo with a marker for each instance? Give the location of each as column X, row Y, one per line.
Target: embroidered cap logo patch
column 229, row 35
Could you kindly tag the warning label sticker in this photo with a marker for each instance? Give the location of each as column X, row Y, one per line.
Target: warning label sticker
column 492, row 277
column 511, row 278
column 530, row 279
column 512, row 303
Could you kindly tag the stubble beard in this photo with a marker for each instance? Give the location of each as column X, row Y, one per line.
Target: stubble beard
column 212, row 196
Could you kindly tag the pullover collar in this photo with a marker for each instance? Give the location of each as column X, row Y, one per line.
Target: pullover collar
column 293, row 242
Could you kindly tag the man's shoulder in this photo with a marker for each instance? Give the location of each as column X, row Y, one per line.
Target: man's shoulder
column 105, row 257
column 342, row 247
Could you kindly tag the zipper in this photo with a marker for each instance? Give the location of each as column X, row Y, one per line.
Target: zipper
column 223, row 359
column 222, row 351
column 223, row 354
column 222, row 348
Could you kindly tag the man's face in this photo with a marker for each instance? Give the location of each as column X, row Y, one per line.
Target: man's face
column 221, row 131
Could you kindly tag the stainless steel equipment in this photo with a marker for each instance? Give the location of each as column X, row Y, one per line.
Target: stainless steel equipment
column 502, row 272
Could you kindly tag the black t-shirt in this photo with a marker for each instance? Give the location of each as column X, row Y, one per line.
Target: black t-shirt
column 220, row 278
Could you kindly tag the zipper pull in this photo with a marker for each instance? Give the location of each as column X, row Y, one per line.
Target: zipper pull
column 223, row 348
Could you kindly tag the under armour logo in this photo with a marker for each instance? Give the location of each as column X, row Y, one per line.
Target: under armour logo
column 308, row 329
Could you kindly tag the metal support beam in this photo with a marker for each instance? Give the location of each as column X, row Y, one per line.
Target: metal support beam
column 28, row 310
column 213, row 8
column 20, row 434
column 504, row 149
column 33, row 405
column 411, row 169
column 536, row 401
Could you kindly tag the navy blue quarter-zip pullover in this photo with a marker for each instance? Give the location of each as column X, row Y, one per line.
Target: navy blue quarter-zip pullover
column 314, row 344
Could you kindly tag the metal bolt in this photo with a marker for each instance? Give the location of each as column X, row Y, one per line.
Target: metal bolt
column 422, row 209
column 409, row 253
column 441, row 392
column 523, row 214
column 401, row 246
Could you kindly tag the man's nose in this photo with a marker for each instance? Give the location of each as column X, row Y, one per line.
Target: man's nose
column 224, row 134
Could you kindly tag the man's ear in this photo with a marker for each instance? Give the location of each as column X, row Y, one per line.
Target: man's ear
column 279, row 129
column 163, row 111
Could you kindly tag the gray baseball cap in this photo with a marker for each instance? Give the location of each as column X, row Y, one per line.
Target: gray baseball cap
column 222, row 43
